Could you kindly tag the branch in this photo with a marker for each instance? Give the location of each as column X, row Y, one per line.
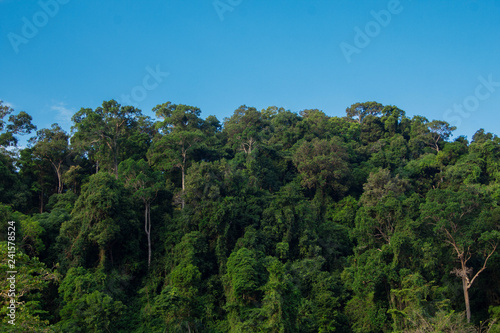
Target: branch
column 467, row 255
column 484, row 266
column 453, row 243
column 383, row 235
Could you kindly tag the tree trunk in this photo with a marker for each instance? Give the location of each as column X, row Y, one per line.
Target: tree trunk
column 60, row 186
column 102, row 256
column 466, row 297
column 183, row 186
column 183, row 178
column 59, row 179
column 57, row 169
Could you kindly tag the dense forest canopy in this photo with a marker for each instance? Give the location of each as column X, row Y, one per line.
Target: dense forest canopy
column 270, row 221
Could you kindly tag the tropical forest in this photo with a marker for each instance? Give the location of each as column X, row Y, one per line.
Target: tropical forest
column 269, row 220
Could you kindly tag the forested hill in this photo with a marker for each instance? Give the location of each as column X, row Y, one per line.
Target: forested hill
column 271, row 221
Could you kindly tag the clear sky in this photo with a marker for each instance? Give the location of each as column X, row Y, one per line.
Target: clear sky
column 438, row 59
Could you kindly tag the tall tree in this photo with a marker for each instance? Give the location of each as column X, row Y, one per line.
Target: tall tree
column 466, row 227
column 52, row 145
column 359, row 111
column 16, row 124
column 146, row 184
column 245, row 129
column 104, row 134
column 382, row 208
column 38, row 175
column 439, row 131
column 180, row 133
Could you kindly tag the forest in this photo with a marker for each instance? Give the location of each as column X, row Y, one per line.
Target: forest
column 269, row 221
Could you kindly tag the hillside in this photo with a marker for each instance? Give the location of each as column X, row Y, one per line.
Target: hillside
column 270, row 221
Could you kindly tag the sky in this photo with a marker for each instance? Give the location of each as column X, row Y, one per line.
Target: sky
column 437, row 59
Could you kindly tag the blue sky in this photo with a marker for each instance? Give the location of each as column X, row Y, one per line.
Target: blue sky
column 438, row 59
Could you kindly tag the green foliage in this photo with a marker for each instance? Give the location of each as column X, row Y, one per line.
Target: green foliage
column 12, row 190
column 243, row 277
column 52, row 145
column 87, row 307
column 280, row 301
column 109, row 133
column 101, row 221
column 13, row 125
column 275, row 221
column 366, row 315
column 442, row 322
column 245, row 129
column 494, row 325
column 32, row 278
column 323, row 165
column 359, row 111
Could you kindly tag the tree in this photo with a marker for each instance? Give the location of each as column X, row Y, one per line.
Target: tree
column 323, row 165
column 465, row 227
column 382, row 208
column 101, row 221
column 284, row 129
column 104, row 134
column 146, row 184
column 439, row 131
column 359, row 111
column 179, row 135
column 380, row 184
column 486, row 150
column 372, row 129
column 16, row 124
column 394, row 119
column 37, row 173
column 315, row 124
column 245, row 129
column 12, row 190
column 52, row 145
